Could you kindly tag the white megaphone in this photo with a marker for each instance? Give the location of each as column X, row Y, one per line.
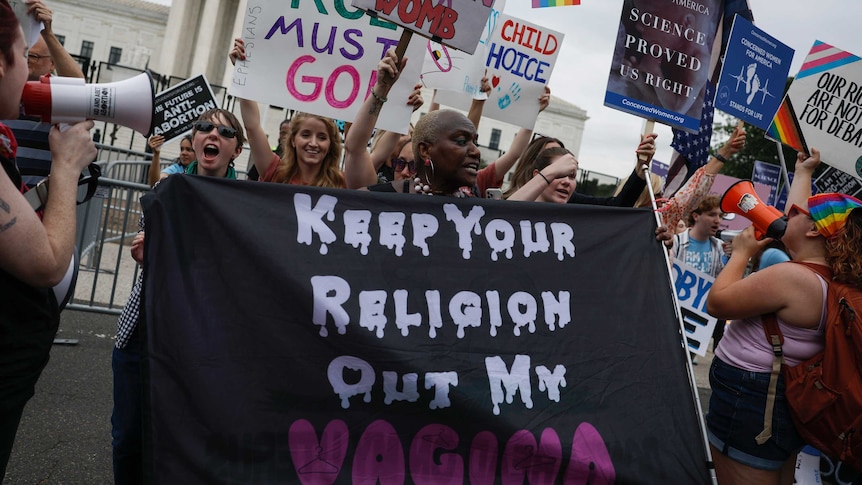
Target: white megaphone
column 69, row 100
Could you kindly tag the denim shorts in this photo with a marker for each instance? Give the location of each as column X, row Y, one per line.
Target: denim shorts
column 735, row 418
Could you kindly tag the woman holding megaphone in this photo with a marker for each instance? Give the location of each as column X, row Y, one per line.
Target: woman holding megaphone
column 34, row 253
column 747, row 445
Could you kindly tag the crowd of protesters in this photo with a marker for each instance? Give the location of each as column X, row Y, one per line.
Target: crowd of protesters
column 438, row 157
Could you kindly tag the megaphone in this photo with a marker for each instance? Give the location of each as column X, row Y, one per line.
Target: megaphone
column 740, row 198
column 727, row 235
column 69, row 100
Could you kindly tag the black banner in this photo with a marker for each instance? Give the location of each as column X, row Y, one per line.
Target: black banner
column 314, row 336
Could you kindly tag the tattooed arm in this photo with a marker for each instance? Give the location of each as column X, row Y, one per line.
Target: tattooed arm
column 38, row 252
column 359, row 170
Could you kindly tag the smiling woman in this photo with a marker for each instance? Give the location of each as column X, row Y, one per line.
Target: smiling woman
column 312, row 148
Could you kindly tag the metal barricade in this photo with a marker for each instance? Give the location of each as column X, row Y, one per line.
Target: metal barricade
column 107, row 224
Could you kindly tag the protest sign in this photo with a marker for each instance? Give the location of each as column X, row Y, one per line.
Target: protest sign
column 519, row 60
column 692, row 288
column 659, row 168
column 661, row 60
column 32, row 28
column 446, row 69
column 823, row 109
column 753, row 61
column 768, row 174
column 455, row 24
column 834, row 180
column 358, row 337
column 176, row 109
column 321, row 58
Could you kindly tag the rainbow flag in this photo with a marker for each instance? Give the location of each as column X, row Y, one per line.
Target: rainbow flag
column 785, row 127
column 554, row 3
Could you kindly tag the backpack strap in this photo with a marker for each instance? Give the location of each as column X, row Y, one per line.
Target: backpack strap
column 776, row 339
column 824, row 271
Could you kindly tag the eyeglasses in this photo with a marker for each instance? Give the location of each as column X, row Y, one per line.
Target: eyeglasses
column 206, row 127
column 399, row 163
column 796, row 210
column 36, row 57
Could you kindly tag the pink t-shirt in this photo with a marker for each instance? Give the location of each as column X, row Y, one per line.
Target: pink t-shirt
column 744, row 343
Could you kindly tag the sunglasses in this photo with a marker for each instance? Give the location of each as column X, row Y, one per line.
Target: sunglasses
column 796, row 210
column 207, row 126
column 399, row 163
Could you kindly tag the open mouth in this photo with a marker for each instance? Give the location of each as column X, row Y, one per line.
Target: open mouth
column 211, row 150
column 472, row 166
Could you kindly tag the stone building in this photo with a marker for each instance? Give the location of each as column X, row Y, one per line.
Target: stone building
column 194, row 36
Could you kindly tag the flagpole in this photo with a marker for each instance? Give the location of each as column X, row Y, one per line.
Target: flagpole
column 783, row 167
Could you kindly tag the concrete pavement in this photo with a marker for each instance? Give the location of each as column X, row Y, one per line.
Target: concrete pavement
column 65, row 433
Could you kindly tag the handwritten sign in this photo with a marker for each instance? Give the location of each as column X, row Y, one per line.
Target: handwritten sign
column 753, row 61
column 446, row 69
column 661, row 60
column 176, row 109
column 519, row 59
column 321, row 57
column 823, row 108
column 455, row 24
column 692, row 288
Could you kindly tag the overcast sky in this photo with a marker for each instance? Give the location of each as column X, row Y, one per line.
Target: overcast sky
column 581, row 73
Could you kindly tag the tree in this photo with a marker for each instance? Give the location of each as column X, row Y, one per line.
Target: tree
column 757, row 146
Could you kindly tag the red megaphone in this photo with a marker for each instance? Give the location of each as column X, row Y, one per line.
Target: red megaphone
column 740, row 198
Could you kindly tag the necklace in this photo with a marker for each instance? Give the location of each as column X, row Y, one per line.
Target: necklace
column 425, row 189
column 421, row 188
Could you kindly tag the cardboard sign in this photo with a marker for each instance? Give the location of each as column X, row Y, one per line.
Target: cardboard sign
column 32, row 28
column 519, row 61
column 176, row 109
column 754, row 60
column 321, row 58
column 661, row 60
column 455, row 24
column 446, row 69
column 823, row 109
column 692, row 288
column 385, row 347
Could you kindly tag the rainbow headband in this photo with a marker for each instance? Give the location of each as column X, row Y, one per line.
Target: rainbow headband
column 830, row 211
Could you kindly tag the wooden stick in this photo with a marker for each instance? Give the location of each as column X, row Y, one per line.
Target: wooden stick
column 650, row 126
column 403, row 42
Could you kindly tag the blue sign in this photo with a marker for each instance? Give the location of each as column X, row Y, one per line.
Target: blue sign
column 767, row 174
column 659, row 168
column 782, row 196
column 752, row 79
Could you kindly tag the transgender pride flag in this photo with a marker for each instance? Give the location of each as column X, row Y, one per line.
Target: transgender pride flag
column 823, row 107
column 554, row 3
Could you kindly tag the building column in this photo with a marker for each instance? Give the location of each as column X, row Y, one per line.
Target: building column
column 180, row 32
column 206, row 44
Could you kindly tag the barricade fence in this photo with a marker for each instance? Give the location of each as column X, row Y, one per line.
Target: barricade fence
column 106, row 226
